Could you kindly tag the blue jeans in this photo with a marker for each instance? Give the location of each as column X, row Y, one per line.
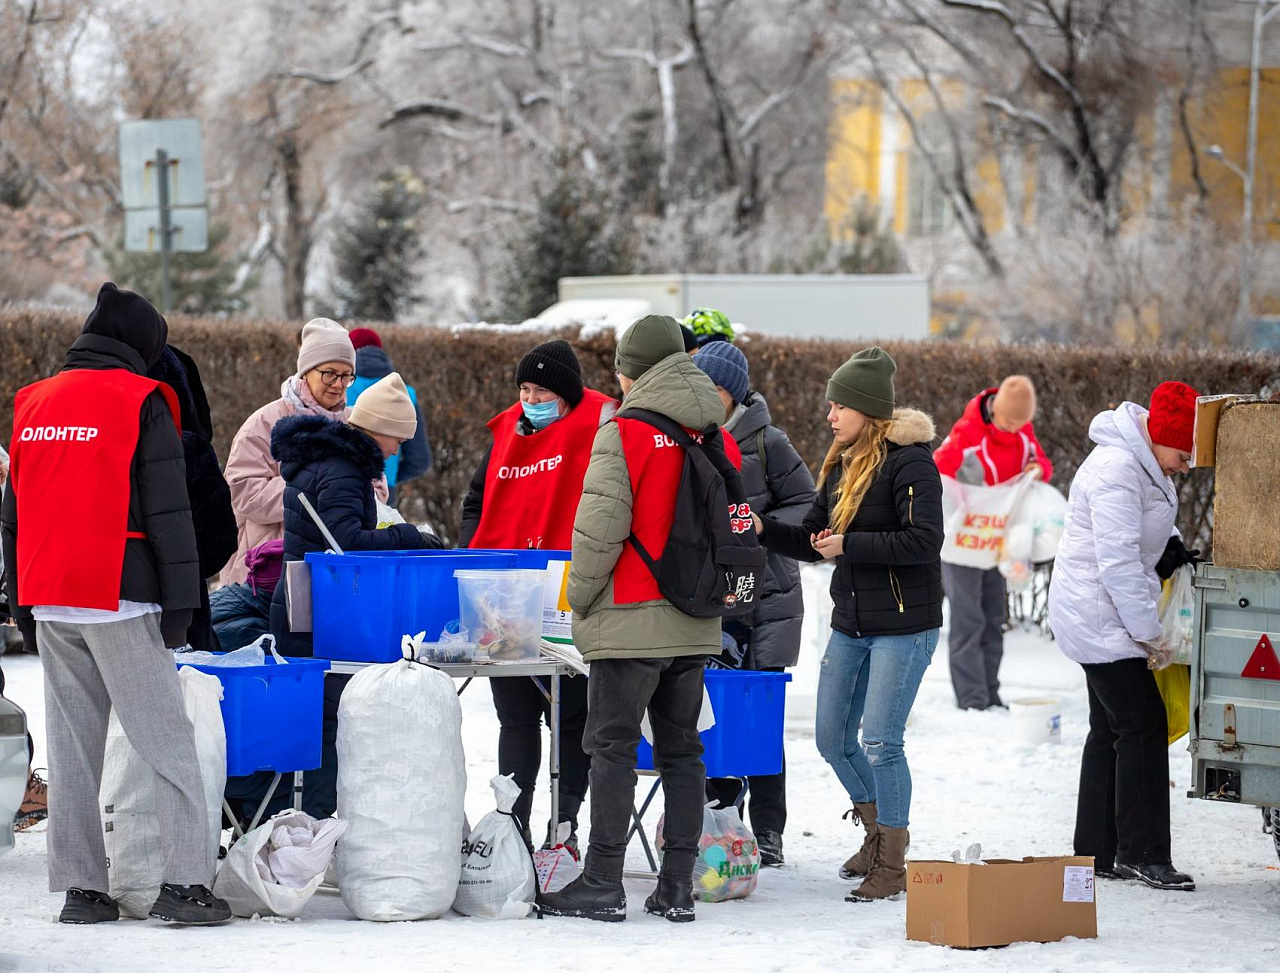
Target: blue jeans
column 873, row 682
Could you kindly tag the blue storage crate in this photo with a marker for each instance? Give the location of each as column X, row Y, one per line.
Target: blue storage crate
column 747, row 738
column 273, row 714
column 531, row 558
column 364, row 602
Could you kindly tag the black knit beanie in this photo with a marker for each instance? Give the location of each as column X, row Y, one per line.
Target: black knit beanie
column 554, row 366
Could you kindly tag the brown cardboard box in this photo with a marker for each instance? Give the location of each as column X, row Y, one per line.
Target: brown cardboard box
column 1246, row 530
column 1038, row 900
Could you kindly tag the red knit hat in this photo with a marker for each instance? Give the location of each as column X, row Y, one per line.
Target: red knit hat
column 365, row 336
column 1172, row 420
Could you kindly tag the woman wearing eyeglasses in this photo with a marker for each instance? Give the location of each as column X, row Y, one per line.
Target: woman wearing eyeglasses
column 326, row 368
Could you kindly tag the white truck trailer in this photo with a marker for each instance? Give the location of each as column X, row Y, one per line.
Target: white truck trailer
column 836, row 306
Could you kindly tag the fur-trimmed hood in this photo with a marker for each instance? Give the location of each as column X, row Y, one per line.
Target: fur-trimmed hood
column 911, row 426
column 300, row 440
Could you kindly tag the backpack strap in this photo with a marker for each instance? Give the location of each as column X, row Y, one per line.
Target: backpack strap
column 664, row 424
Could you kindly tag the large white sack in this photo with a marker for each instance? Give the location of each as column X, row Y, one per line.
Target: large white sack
column 276, row 868
column 498, row 878
column 135, row 856
column 401, row 783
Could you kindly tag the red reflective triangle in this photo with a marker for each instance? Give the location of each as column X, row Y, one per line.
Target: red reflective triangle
column 1263, row 664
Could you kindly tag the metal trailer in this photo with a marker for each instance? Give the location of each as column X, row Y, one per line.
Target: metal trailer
column 1235, row 691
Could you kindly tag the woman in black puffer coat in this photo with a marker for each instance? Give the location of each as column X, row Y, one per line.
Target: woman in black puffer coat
column 878, row 516
column 334, row 465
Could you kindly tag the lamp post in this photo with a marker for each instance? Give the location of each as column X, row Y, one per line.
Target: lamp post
column 1263, row 11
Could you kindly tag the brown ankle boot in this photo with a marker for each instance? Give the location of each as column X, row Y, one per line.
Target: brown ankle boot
column 888, row 876
column 862, row 860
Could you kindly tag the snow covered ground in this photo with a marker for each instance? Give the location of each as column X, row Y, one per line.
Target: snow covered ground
column 972, row 783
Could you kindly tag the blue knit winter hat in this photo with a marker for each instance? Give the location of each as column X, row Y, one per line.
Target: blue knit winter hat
column 726, row 365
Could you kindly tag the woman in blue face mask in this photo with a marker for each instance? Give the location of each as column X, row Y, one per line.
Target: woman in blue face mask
column 525, row 494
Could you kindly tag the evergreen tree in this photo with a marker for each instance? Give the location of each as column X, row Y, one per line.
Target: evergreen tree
column 200, row 283
column 379, row 248
column 572, row 234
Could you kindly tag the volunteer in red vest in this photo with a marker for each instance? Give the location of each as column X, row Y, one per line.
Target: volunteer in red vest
column 524, row 495
column 99, row 549
column 993, row 442
column 645, row 654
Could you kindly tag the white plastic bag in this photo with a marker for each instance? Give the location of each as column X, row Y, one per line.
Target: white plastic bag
column 276, row 868
column 1177, row 615
column 556, row 866
column 135, row 855
column 253, row 654
column 728, row 858
column 401, row 783
column 977, row 518
column 1044, row 509
column 498, row 879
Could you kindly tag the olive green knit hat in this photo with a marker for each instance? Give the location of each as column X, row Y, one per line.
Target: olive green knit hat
column 865, row 383
column 648, row 341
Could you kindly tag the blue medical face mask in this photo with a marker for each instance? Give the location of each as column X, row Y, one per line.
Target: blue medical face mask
column 541, row 414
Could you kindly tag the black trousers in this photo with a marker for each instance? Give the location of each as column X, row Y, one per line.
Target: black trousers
column 522, row 708
column 1122, row 813
column 620, row 691
column 767, row 799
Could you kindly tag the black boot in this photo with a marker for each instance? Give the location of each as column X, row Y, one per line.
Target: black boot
column 1158, row 876
column 770, row 845
column 672, row 899
column 84, row 907
column 191, row 905
column 587, row 897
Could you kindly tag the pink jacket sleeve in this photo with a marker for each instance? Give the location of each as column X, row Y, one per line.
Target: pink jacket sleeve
column 257, row 488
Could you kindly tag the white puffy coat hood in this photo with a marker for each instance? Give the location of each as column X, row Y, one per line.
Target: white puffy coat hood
column 1120, row 514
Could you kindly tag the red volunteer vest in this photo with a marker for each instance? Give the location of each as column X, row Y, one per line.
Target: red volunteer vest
column 655, row 465
column 74, row 436
column 534, row 483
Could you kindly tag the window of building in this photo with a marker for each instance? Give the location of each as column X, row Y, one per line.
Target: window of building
column 928, row 208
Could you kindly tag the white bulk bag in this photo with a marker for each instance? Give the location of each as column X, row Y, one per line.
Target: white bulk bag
column 276, row 868
column 135, row 855
column 498, row 878
column 401, row 783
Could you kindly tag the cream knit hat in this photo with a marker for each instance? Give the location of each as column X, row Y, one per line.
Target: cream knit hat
column 385, row 408
column 324, row 341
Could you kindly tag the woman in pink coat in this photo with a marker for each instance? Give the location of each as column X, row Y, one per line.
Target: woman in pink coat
column 326, row 368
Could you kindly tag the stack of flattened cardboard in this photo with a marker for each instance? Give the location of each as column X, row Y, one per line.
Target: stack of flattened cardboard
column 1242, row 442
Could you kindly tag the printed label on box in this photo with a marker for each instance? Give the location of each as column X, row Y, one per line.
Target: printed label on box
column 557, row 618
column 1077, row 883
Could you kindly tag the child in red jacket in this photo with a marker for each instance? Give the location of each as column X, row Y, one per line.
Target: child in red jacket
column 993, row 442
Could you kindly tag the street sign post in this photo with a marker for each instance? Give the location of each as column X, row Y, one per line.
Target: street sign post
column 162, row 182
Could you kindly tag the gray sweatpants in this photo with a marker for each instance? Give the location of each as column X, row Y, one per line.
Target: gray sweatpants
column 976, row 640
column 88, row 669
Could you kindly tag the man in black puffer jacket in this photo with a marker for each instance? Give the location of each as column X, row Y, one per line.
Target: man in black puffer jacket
column 334, row 465
column 779, row 485
column 211, row 513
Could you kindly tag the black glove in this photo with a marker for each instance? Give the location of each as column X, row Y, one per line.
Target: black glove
column 1175, row 556
column 173, row 628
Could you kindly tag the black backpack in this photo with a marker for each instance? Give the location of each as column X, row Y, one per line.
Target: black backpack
column 713, row 564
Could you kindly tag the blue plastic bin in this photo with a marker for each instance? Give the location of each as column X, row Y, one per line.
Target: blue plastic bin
column 750, row 710
column 273, row 714
column 530, row 558
column 363, row 603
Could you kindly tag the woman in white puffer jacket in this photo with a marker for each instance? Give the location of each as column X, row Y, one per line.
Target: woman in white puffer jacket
column 1103, row 611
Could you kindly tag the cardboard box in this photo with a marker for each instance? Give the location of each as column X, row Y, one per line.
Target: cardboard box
column 1037, row 900
column 1246, row 530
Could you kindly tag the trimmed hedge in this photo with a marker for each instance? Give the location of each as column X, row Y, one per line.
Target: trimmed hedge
column 463, row 379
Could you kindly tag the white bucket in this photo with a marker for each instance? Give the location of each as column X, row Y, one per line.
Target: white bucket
column 1036, row 720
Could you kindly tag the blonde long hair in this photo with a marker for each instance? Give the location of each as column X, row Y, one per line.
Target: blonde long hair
column 859, row 463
